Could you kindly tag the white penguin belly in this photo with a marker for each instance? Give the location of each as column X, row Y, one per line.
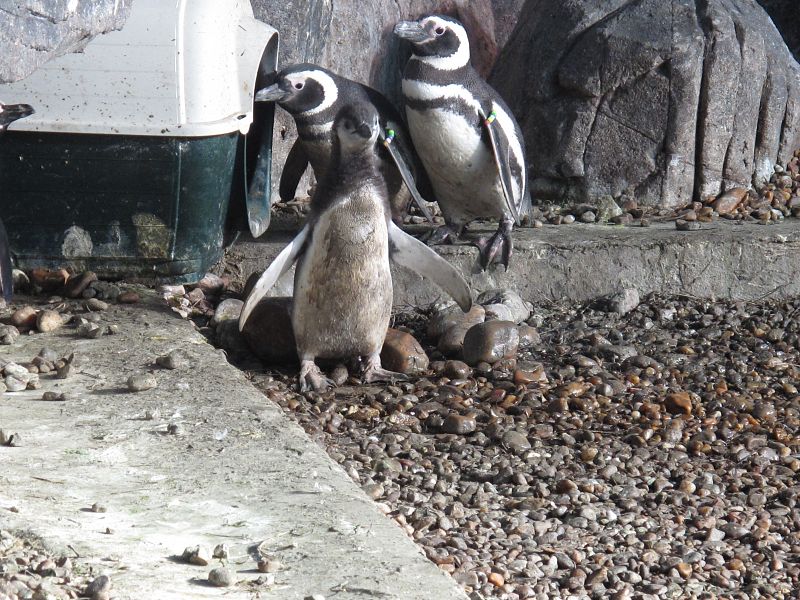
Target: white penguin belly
column 461, row 168
column 343, row 286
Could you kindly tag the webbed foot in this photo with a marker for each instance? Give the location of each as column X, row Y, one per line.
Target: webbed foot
column 445, row 234
column 499, row 245
column 312, row 378
column 374, row 372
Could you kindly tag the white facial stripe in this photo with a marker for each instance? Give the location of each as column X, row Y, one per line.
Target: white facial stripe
column 507, row 125
column 419, row 90
column 330, row 91
column 459, row 58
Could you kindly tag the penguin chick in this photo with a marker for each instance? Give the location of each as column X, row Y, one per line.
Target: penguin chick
column 8, row 114
column 343, row 286
column 313, row 96
column 467, row 138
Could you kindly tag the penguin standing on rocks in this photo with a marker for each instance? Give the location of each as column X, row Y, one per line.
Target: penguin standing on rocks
column 313, row 96
column 343, row 286
column 466, row 136
column 8, row 114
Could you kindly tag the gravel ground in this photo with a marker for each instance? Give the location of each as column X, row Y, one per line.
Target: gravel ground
column 651, row 455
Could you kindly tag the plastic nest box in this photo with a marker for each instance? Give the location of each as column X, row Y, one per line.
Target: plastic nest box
column 130, row 161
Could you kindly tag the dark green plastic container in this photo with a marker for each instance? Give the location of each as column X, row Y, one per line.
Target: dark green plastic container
column 122, row 206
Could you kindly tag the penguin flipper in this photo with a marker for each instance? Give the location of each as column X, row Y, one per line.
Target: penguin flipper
column 5, row 266
column 386, row 139
column 500, row 151
column 293, row 169
column 282, row 263
column 409, row 252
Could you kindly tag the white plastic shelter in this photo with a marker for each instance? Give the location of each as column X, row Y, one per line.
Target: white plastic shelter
column 183, row 68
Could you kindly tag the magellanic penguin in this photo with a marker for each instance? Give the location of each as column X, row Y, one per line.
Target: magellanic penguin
column 467, row 138
column 313, row 96
column 343, row 285
column 8, row 114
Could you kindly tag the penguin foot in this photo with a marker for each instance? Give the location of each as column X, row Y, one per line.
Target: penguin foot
column 312, row 378
column 442, row 235
column 499, row 245
column 374, row 372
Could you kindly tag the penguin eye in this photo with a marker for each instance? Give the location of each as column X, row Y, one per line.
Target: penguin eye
column 439, row 30
column 298, row 85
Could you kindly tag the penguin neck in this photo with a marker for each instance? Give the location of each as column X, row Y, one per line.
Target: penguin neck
column 422, row 70
column 350, row 169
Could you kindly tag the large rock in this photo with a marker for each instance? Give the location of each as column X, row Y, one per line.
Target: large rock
column 34, row 31
column 268, row 331
column 667, row 100
column 784, row 13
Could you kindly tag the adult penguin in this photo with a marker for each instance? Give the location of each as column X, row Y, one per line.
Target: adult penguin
column 8, row 114
column 313, row 96
column 466, row 136
column 343, row 286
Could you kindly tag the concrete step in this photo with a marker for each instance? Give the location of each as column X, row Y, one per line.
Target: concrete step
column 578, row 262
column 240, row 473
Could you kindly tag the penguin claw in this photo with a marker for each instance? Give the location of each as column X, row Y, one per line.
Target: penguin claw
column 373, row 374
column 498, row 245
column 312, row 379
column 442, row 235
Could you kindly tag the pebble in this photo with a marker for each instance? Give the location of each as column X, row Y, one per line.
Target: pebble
column 24, row 318
column 197, row 555
column 459, row 424
column 684, row 225
column 679, row 403
column 402, row 353
column 450, row 327
column 53, row 397
column 141, row 382
column 173, row 360
column 456, row 369
column 99, row 588
column 221, row 551
column 128, row 297
column 505, row 305
column 95, row 305
column 228, row 309
column 624, row 301
column 220, row 577
column 8, row 334
column 78, row 283
column 49, row 320
column 490, row 342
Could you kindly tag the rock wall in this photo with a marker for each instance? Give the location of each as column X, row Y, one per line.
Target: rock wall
column 786, row 16
column 666, row 100
column 35, row 31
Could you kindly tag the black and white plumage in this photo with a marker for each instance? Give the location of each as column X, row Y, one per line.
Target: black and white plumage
column 313, row 96
column 466, row 136
column 8, row 114
column 343, row 285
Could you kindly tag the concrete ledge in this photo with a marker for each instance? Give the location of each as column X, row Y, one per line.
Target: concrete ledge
column 580, row 262
column 240, row 473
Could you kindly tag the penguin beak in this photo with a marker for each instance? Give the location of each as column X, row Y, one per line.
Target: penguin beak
column 412, row 31
column 273, row 93
column 11, row 112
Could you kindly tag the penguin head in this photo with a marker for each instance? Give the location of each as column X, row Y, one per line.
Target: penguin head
column 11, row 112
column 437, row 39
column 356, row 126
column 301, row 89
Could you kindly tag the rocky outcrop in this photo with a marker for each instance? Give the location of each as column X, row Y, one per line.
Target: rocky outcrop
column 34, row 31
column 665, row 100
column 786, row 16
